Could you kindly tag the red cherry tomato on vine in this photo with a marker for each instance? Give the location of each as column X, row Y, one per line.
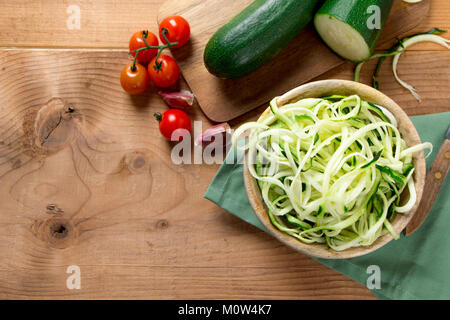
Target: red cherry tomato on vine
column 137, row 42
column 165, row 73
column 134, row 81
column 172, row 120
column 178, row 30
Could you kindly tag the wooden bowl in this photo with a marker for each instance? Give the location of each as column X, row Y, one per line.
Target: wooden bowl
column 409, row 134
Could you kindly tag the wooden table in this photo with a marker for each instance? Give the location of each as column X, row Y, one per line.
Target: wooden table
column 100, row 191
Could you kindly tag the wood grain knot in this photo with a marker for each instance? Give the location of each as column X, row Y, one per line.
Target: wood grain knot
column 162, row 224
column 137, row 162
column 57, row 232
column 53, row 126
column 54, row 209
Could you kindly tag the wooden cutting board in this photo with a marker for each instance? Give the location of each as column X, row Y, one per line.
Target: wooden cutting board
column 305, row 58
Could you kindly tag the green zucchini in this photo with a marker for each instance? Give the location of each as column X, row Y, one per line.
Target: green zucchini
column 376, row 156
column 296, row 222
column 256, row 35
column 395, row 175
column 351, row 28
column 334, row 97
column 377, row 111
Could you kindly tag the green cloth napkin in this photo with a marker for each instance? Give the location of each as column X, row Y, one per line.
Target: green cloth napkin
column 414, row 267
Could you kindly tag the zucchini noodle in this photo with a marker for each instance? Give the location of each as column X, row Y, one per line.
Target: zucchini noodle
column 331, row 170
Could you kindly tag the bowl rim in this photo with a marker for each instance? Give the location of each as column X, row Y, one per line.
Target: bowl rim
column 409, row 134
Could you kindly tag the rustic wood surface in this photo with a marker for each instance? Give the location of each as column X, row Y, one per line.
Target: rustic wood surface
column 86, row 179
column 305, row 58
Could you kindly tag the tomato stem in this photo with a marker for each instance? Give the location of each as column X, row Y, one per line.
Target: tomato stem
column 160, row 48
column 164, row 31
column 144, row 37
column 133, row 67
column 158, row 65
column 158, row 116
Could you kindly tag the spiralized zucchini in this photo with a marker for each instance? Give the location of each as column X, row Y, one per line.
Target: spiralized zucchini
column 331, row 170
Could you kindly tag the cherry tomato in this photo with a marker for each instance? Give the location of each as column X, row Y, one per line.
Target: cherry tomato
column 172, row 120
column 137, row 42
column 165, row 73
column 134, row 81
column 178, row 30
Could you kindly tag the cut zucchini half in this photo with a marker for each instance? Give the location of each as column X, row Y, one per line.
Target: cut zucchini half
column 352, row 28
column 342, row 38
